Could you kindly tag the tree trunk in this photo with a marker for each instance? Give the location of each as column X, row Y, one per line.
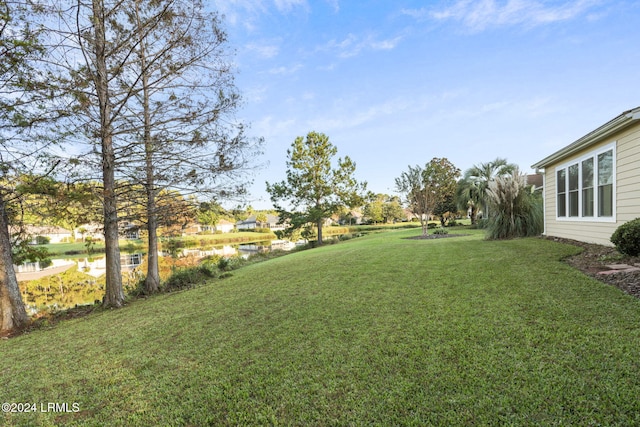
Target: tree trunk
column 152, row 281
column 114, row 294
column 13, row 315
column 319, row 232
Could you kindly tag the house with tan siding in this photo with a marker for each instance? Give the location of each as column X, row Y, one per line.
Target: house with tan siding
column 592, row 186
column 224, row 226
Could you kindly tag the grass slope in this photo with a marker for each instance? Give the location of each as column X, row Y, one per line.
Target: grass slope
column 379, row 330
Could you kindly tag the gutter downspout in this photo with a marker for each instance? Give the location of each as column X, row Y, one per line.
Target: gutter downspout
column 544, row 202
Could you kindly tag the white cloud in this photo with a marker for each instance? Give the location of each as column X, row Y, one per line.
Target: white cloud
column 328, row 67
column 344, row 117
column 276, row 131
column 288, row 5
column 531, row 108
column 240, row 12
column 353, row 45
column 478, row 15
column 308, row 96
column 264, row 50
column 245, row 12
column 385, row 44
column 255, row 94
column 286, row 70
column 334, row 4
column 416, row 13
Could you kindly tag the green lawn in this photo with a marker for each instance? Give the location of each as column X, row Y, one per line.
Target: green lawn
column 379, row 330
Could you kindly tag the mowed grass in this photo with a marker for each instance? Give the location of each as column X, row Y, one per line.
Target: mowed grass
column 380, row 330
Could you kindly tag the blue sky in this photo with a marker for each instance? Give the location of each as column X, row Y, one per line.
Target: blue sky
column 395, row 83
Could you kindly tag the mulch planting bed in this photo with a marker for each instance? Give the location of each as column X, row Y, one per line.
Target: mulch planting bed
column 607, row 265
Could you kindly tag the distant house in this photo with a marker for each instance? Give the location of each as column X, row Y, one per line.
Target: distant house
column 252, row 223
column 129, row 230
column 52, row 233
column 535, row 180
column 247, row 224
column 410, row 216
column 592, row 186
column 225, row 226
column 195, row 228
column 93, row 230
column 354, row 217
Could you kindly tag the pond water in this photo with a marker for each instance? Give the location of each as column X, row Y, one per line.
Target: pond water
column 59, row 285
column 95, row 265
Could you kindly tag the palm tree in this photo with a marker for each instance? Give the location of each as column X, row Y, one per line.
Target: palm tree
column 469, row 197
column 482, row 174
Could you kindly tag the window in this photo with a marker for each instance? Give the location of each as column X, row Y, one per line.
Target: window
column 562, row 192
column 605, row 184
column 585, row 187
column 573, row 191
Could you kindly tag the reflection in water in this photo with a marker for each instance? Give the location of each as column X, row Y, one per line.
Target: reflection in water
column 59, row 285
column 33, row 267
column 96, row 267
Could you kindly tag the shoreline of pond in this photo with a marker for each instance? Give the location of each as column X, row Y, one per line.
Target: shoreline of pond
column 83, row 249
column 170, row 246
column 80, row 282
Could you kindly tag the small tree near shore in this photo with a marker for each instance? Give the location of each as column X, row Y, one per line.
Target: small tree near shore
column 313, row 191
column 425, row 188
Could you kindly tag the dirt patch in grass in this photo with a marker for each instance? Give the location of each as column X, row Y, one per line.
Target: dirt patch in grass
column 596, row 259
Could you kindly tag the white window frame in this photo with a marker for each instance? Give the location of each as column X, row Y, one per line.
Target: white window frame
column 578, row 160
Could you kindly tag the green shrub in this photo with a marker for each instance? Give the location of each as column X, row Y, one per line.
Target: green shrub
column 42, row 240
column 627, row 238
column 189, row 277
column 231, row 263
column 182, row 279
column 480, row 224
column 224, row 264
column 136, row 288
column 440, row 230
column 516, row 211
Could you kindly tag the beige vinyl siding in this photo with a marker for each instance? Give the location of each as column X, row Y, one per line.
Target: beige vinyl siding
column 627, row 187
column 550, row 201
column 628, row 175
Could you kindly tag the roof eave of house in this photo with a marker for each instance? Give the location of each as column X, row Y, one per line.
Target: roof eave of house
column 622, row 121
